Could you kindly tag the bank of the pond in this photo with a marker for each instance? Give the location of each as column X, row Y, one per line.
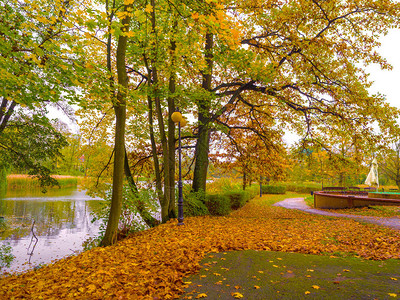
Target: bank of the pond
column 153, row 264
column 23, row 181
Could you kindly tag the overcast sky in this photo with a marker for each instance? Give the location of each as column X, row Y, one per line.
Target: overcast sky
column 388, row 82
column 385, row 82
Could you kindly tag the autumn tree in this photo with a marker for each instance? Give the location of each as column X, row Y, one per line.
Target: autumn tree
column 37, row 70
column 305, row 60
column 159, row 51
column 251, row 145
column 301, row 63
column 389, row 162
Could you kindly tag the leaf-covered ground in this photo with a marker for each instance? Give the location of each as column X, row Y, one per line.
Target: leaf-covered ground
column 151, row 264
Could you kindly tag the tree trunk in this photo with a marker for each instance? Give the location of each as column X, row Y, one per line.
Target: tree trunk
column 164, row 143
column 203, row 140
column 110, row 236
column 171, row 131
column 140, row 205
column 244, row 180
column 156, row 162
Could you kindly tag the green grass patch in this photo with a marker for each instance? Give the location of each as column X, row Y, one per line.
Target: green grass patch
column 279, row 275
column 309, row 200
column 272, row 199
column 370, row 211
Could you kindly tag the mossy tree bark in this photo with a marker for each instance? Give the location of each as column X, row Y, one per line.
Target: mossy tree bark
column 110, row 236
column 204, row 106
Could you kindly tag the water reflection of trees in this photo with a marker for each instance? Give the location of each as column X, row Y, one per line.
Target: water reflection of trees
column 50, row 217
column 38, row 192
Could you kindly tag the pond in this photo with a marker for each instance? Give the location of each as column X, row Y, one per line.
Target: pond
column 60, row 219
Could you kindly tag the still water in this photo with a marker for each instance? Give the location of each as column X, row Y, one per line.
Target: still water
column 61, row 220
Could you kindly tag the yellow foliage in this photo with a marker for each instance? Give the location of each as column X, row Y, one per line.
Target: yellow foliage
column 153, row 263
column 149, row 8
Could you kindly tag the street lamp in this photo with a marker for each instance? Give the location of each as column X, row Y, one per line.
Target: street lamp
column 177, row 118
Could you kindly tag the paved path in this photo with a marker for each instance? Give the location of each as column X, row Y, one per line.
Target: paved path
column 300, row 204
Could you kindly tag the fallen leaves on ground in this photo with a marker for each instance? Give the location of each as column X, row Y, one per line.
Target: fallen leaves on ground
column 237, row 295
column 152, row 264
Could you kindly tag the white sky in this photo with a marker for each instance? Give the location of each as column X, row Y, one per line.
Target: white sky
column 388, row 82
column 385, row 82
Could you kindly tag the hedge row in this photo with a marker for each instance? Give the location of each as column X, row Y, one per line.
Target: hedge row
column 222, row 203
column 217, row 204
column 302, row 188
column 273, row 189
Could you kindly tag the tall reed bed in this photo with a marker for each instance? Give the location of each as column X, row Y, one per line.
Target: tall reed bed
column 3, row 181
column 23, row 181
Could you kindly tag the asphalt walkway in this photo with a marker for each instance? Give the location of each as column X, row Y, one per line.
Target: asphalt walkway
column 300, row 204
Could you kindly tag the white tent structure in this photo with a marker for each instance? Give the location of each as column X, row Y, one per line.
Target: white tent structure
column 372, row 177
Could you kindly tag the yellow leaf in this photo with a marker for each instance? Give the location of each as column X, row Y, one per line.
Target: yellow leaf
column 392, row 294
column 315, row 287
column 393, row 278
column 256, row 287
column 149, row 8
column 187, row 282
column 91, row 288
column 129, row 33
column 307, row 292
column 237, row 295
column 202, row 295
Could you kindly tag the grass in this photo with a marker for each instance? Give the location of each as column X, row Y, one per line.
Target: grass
column 271, row 199
column 370, row 211
column 279, row 275
column 309, row 200
column 23, row 181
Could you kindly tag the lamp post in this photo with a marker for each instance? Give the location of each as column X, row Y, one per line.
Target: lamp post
column 177, row 118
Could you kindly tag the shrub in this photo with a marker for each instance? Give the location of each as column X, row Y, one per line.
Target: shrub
column 193, row 204
column 218, row 204
column 273, row 189
column 6, row 256
column 252, row 191
column 223, row 185
column 303, row 188
column 237, row 198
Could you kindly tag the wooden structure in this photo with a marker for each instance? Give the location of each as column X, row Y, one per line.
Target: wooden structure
column 343, row 198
